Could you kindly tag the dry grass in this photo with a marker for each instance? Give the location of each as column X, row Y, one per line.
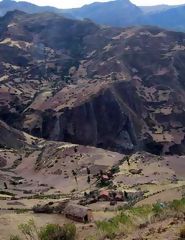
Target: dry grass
column 135, row 217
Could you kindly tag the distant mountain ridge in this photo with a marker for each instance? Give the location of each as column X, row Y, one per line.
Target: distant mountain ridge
column 115, row 13
column 119, row 13
column 173, row 18
column 11, row 5
column 158, row 8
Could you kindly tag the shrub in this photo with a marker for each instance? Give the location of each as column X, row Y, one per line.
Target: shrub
column 157, row 209
column 141, row 211
column 182, row 233
column 43, row 209
column 51, row 231
column 69, row 231
column 111, row 228
column 56, row 232
column 107, row 228
column 91, row 238
column 115, row 169
column 7, row 193
column 29, row 230
column 178, row 205
column 48, row 232
column 15, row 237
column 21, row 211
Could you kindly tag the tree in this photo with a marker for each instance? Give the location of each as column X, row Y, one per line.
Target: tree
column 5, row 185
column 181, row 40
column 128, row 160
column 75, row 176
column 101, row 173
column 89, row 179
column 88, row 171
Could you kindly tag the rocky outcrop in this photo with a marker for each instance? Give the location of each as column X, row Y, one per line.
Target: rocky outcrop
column 101, row 122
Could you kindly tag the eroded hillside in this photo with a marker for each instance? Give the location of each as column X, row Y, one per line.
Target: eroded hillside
column 74, row 81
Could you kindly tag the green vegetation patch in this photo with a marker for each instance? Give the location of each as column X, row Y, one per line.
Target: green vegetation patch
column 127, row 219
column 48, row 232
column 7, row 193
column 112, row 227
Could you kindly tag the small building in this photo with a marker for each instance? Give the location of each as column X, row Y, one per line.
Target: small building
column 104, row 196
column 105, row 178
column 78, row 213
column 119, row 196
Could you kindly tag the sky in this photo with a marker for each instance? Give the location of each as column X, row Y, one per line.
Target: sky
column 78, row 3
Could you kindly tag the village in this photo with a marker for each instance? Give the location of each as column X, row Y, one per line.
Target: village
column 88, row 192
column 101, row 190
column 77, row 205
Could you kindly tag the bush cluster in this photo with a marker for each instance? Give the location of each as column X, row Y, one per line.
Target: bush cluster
column 48, row 232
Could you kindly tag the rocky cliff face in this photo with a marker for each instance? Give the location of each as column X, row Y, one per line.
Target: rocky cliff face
column 66, row 80
column 101, row 121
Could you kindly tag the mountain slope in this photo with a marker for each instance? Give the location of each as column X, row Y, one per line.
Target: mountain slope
column 10, row 5
column 119, row 13
column 75, row 81
column 173, row 18
column 126, row 12
column 157, row 8
column 114, row 13
column 12, row 138
column 123, row 13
